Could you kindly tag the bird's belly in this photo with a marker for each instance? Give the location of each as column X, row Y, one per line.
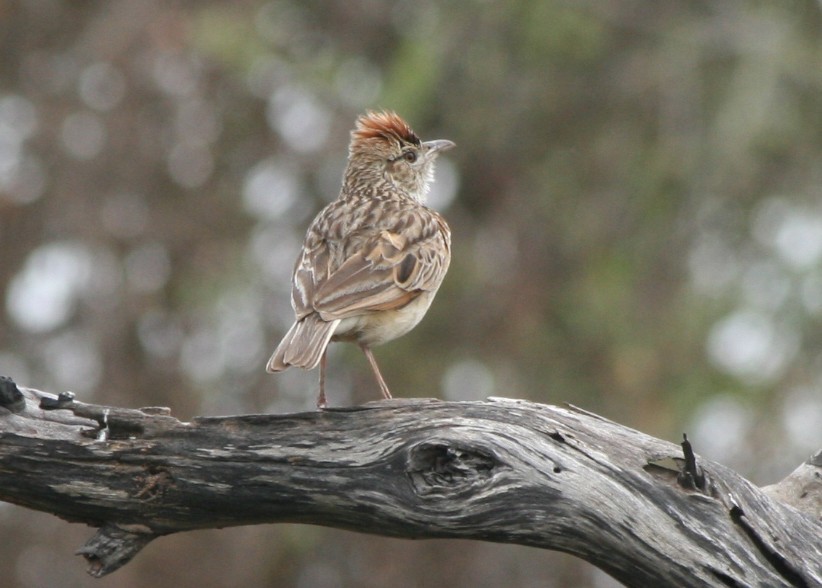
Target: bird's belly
column 381, row 326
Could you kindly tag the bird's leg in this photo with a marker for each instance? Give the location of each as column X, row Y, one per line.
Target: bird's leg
column 370, row 356
column 321, row 402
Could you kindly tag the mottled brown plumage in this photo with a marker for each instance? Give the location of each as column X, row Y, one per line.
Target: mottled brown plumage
column 373, row 259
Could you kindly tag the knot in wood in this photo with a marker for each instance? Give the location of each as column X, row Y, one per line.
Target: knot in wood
column 10, row 396
column 439, row 466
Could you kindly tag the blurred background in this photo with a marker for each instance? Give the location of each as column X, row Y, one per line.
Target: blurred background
column 636, row 214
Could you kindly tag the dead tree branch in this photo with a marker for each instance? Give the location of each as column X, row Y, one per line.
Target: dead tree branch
column 644, row 510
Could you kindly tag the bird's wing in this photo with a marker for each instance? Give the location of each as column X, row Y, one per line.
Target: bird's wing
column 310, row 271
column 387, row 268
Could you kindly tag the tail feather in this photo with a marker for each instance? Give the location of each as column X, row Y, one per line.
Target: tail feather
column 303, row 345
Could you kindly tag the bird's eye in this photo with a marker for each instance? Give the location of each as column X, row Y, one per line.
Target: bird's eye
column 410, row 156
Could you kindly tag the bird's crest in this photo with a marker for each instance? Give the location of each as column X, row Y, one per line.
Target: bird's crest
column 387, row 125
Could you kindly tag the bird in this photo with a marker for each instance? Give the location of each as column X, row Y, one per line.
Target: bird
column 373, row 259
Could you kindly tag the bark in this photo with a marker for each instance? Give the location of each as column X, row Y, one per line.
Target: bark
column 648, row 512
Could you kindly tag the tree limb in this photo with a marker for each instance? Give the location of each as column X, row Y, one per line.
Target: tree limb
column 500, row 470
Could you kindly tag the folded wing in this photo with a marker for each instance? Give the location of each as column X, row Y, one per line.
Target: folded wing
column 389, row 269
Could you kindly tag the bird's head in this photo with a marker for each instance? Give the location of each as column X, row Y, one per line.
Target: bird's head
column 385, row 149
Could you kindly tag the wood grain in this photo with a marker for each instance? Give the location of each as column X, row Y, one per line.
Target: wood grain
column 500, row 470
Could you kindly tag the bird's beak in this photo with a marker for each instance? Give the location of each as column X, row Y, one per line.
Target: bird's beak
column 434, row 147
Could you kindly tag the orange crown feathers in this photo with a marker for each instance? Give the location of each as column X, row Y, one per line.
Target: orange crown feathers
column 385, row 124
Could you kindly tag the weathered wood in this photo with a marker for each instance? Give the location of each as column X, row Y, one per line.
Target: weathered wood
column 501, row 470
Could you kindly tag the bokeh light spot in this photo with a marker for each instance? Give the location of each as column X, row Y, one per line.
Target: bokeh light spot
column 42, row 296
column 83, row 135
column 101, row 86
column 468, row 379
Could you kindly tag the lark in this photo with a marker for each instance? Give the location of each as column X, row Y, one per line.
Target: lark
column 374, row 258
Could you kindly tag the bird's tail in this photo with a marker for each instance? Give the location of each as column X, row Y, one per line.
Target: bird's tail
column 303, row 345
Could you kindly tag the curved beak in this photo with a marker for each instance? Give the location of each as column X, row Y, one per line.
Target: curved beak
column 434, row 147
